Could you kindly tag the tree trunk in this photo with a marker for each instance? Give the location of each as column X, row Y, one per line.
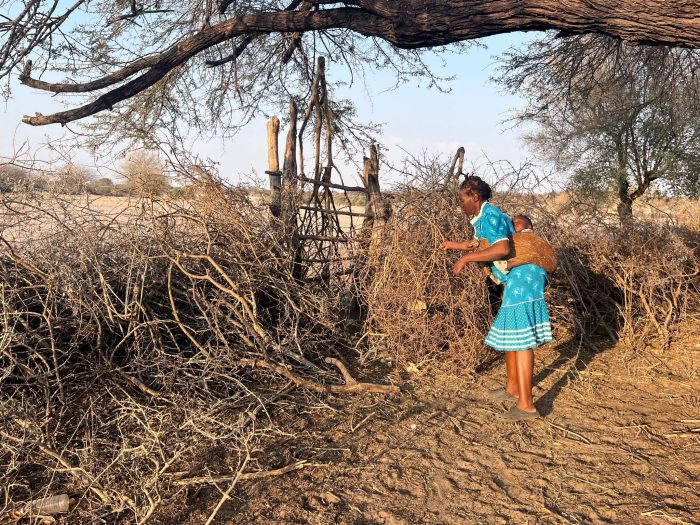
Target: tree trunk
column 407, row 24
column 624, row 207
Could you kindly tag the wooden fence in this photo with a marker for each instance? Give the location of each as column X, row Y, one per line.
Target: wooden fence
column 328, row 232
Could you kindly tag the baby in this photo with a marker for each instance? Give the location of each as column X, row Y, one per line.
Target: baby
column 522, row 223
column 530, row 247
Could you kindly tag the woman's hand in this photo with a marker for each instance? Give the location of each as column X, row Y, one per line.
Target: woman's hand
column 460, row 264
column 449, row 245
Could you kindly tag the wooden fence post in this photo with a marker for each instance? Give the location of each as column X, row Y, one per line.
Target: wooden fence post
column 273, row 129
column 377, row 206
column 290, row 204
column 452, row 179
column 290, row 150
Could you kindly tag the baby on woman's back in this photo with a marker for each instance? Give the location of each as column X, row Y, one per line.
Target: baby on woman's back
column 530, row 248
column 522, row 223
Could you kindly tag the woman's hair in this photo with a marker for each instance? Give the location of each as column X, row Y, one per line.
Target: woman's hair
column 474, row 184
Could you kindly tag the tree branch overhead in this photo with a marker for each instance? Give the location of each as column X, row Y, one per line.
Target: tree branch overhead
column 406, row 25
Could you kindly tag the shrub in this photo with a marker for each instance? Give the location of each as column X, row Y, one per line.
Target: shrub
column 101, row 186
column 72, row 179
column 12, row 177
column 145, row 174
column 418, row 309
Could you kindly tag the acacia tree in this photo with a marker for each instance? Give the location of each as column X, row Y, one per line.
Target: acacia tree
column 205, row 60
column 11, row 177
column 618, row 119
column 72, row 178
column 145, row 173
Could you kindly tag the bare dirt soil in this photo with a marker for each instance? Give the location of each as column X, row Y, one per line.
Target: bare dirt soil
column 619, row 443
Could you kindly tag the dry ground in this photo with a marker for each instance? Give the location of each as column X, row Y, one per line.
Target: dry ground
column 619, row 444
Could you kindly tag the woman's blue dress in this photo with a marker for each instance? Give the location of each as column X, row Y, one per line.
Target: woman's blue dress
column 522, row 321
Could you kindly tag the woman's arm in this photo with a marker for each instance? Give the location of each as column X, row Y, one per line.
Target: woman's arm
column 496, row 252
column 455, row 245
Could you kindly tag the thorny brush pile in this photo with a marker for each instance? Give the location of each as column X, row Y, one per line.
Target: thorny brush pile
column 137, row 342
column 632, row 286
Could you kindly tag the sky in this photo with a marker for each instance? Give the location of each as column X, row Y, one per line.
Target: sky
column 415, row 118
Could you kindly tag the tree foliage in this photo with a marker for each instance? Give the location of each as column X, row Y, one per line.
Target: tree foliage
column 145, row 173
column 209, row 62
column 101, row 186
column 73, row 179
column 194, row 64
column 617, row 118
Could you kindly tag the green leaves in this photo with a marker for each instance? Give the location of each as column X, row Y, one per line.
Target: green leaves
column 614, row 118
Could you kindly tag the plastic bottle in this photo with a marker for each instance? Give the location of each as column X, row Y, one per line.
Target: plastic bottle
column 50, row 505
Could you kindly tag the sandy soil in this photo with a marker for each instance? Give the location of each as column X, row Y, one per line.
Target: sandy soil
column 619, row 444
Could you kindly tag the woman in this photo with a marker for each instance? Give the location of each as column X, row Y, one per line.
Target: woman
column 522, row 322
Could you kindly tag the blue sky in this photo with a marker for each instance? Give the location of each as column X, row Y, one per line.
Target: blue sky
column 415, row 118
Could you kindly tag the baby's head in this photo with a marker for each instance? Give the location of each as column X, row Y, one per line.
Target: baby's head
column 521, row 222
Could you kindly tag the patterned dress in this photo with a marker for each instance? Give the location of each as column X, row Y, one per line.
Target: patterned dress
column 522, row 321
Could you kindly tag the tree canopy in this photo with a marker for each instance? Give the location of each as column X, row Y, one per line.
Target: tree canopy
column 205, row 60
column 617, row 118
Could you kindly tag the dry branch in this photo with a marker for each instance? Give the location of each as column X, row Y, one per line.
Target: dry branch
column 244, row 476
column 351, row 386
column 167, row 329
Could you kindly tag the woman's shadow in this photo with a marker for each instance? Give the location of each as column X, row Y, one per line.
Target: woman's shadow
column 595, row 314
column 574, row 356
